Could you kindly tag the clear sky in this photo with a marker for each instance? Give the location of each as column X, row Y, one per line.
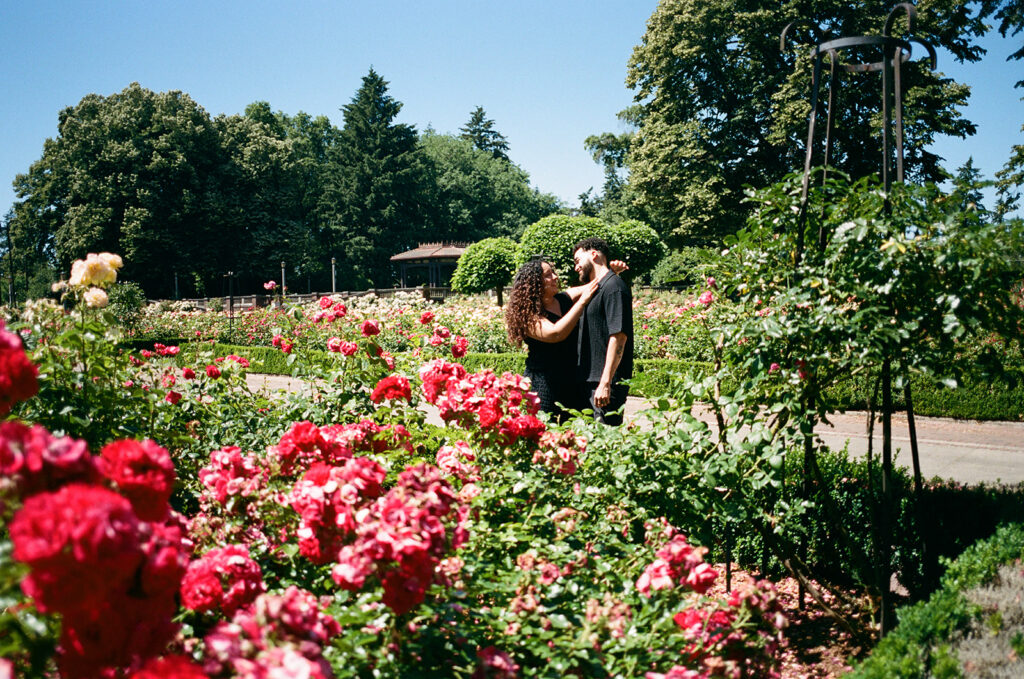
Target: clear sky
column 548, row 72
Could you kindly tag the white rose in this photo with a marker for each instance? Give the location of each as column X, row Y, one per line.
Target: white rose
column 95, row 298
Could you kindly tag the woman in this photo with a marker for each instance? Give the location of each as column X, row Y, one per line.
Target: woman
column 546, row 320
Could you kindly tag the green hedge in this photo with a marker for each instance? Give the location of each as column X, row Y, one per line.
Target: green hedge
column 973, row 400
column 139, row 344
column 919, row 645
column 653, row 378
column 269, row 360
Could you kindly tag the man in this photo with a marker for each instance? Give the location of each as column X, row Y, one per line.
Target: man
column 606, row 333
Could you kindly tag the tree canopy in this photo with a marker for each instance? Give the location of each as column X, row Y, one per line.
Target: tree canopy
column 721, row 107
column 153, row 177
column 484, row 265
column 133, row 173
column 475, row 195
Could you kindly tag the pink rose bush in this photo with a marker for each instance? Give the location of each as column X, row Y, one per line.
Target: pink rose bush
column 334, row 531
column 401, row 538
column 502, row 407
column 278, row 635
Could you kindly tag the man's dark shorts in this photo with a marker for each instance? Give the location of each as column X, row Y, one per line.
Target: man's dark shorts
column 608, row 414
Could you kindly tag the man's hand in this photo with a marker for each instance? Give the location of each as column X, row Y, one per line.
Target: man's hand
column 603, row 394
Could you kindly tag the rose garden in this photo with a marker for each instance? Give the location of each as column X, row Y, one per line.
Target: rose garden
column 161, row 519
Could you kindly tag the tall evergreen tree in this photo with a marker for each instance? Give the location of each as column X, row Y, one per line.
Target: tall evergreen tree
column 481, row 133
column 371, row 203
column 967, row 186
column 1010, row 15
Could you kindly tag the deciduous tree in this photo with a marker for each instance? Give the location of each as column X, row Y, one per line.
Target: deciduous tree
column 133, row 173
column 722, row 107
column 474, row 195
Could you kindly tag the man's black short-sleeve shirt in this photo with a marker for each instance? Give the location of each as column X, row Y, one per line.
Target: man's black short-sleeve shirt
column 610, row 311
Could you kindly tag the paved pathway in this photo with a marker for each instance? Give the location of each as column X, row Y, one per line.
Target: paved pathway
column 967, row 451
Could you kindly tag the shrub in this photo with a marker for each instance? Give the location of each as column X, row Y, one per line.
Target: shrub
column 554, row 236
column 485, row 265
column 637, row 244
column 685, row 267
column 919, row 646
column 127, row 300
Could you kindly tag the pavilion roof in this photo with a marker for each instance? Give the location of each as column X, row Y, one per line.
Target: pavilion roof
column 432, row 251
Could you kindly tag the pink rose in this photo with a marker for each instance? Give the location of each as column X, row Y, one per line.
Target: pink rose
column 658, row 575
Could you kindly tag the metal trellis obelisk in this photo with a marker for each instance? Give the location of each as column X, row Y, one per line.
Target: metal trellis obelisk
column 891, row 53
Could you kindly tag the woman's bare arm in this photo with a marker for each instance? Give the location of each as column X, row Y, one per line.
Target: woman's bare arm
column 616, row 265
column 544, row 330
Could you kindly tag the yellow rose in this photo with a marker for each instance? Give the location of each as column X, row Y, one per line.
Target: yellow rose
column 113, row 261
column 93, row 270
column 77, row 273
column 95, row 298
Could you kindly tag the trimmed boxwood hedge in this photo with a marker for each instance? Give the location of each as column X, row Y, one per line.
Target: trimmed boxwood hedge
column 919, row 645
column 653, row 378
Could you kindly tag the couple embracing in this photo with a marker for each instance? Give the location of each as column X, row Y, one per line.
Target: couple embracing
column 579, row 341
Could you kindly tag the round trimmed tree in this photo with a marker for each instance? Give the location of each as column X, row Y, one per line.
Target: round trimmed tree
column 554, row 237
column 484, row 265
column 637, row 244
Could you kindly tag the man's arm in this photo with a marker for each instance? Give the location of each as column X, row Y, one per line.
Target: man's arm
column 616, row 348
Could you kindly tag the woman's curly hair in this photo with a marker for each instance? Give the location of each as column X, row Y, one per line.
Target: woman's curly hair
column 524, row 301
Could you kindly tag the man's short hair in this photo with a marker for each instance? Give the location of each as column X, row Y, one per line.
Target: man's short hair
column 594, row 243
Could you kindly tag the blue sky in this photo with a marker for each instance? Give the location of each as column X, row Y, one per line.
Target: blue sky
column 548, row 73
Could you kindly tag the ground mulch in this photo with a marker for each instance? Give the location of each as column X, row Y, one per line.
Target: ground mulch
column 817, row 647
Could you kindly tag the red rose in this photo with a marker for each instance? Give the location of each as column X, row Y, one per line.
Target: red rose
column 212, row 371
column 143, row 472
column 370, row 327
column 170, row 667
column 459, row 347
column 392, row 387
column 188, row 373
column 17, row 373
column 224, row 579
column 81, row 544
column 427, row 317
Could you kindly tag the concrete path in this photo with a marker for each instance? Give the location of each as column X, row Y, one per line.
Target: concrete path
column 967, row 451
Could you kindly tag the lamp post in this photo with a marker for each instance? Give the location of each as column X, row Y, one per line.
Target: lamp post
column 282, row 280
column 334, row 288
column 231, row 300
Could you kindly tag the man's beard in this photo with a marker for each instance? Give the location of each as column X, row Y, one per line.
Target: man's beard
column 586, row 271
